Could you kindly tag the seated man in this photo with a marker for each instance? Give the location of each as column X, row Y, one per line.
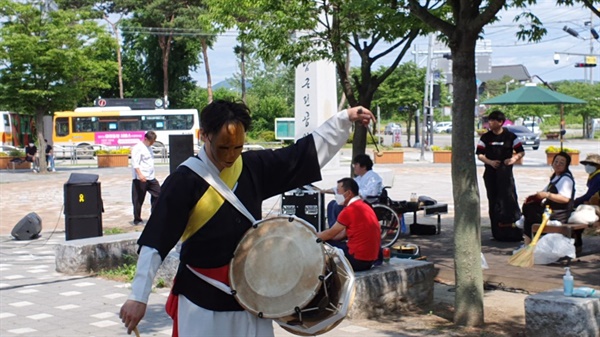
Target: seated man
column 369, row 184
column 31, row 156
column 358, row 223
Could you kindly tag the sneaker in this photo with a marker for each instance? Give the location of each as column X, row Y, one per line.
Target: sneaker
column 138, row 222
column 35, row 171
column 53, row 170
column 520, row 223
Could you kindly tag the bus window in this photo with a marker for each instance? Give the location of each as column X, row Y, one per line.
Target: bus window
column 108, row 124
column 6, row 118
column 61, row 126
column 180, row 122
column 86, row 124
column 129, row 123
column 153, row 123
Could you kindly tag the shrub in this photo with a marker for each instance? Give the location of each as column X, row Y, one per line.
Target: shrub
column 3, row 154
column 435, row 148
column 267, row 136
column 117, row 151
column 16, row 153
column 555, row 149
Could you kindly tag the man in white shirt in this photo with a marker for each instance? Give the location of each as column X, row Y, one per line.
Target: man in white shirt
column 142, row 169
column 369, row 184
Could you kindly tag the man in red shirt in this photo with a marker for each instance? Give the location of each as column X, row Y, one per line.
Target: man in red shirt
column 358, row 223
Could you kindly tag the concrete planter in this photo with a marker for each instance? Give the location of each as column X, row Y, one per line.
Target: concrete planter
column 389, row 157
column 5, row 164
column 442, row 157
column 574, row 158
column 113, row 160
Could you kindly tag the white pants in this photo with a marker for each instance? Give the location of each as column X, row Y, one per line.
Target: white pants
column 194, row 321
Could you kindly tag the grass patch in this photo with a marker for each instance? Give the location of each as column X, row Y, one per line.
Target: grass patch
column 123, row 273
column 113, row 231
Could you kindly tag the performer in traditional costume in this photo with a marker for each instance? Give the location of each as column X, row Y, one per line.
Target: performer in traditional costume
column 210, row 227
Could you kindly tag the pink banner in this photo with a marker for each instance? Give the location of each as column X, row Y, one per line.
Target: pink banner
column 119, row 138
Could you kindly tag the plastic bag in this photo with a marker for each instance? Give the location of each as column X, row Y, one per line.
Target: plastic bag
column 552, row 247
column 484, row 264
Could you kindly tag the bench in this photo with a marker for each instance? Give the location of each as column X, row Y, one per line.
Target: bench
column 431, row 210
column 569, row 230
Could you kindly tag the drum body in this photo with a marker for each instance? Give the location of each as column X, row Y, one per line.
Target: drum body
column 276, row 267
column 281, row 270
column 331, row 304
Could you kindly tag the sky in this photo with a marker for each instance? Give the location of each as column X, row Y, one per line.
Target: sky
column 538, row 58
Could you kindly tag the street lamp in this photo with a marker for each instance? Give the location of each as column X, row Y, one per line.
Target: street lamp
column 507, row 83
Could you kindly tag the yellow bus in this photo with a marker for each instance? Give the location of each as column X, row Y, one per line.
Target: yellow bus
column 86, row 129
column 6, row 133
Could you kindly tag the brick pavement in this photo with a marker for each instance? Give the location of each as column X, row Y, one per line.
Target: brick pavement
column 36, row 301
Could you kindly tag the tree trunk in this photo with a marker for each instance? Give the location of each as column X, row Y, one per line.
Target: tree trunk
column 39, row 130
column 243, row 71
column 467, row 218
column 207, row 69
column 165, row 46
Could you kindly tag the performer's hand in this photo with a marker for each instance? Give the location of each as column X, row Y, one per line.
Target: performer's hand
column 495, row 163
column 360, row 114
column 131, row 314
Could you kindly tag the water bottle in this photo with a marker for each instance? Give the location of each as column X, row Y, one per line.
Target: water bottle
column 413, row 197
column 568, row 282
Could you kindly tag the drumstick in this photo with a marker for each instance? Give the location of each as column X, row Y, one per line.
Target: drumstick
column 136, row 331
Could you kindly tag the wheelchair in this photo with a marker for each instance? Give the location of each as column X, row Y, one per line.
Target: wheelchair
column 390, row 215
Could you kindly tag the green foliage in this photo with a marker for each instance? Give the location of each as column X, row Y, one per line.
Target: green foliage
column 3, row 154
column 113, row 231
column 51, row 60
column 115, row 151
column 16, row 153
column 124, row 272
column 436, row 148
column 267, row 136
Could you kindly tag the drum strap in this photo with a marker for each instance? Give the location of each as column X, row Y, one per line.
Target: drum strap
column 215, row 196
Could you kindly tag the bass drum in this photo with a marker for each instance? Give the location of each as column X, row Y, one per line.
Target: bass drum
column 332, row 303
column 281, row 270
column 277, row 267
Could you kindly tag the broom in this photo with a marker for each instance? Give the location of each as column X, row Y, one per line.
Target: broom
column 524, row 257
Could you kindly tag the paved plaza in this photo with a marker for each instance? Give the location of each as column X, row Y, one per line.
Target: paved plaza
column 37, row 301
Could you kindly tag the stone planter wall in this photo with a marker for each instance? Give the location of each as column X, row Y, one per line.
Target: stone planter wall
column 113, row 160
column 574, row 158
column 389, row 157
column 442, row 157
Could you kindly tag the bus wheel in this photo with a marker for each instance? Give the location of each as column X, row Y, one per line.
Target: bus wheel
column 84, row 151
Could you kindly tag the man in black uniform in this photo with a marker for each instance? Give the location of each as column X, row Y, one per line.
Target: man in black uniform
column 499, row 149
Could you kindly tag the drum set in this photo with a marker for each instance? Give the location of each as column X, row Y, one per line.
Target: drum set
column 282, row 271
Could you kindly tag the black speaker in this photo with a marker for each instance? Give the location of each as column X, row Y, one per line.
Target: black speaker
column 28, row 228
column 83, row 206
column 181, row 147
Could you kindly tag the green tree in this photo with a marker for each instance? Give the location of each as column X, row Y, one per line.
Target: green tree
column 50, row 60
column 461, row 28
column 403, row 88
column 175, row 27
column 300, row 31
column 587, row 92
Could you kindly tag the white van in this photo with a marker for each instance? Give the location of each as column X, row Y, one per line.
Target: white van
column 443, row 127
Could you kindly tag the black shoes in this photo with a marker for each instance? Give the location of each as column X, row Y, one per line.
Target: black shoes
column 138, row 222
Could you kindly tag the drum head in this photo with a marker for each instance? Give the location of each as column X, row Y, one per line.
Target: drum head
column 276, row 267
